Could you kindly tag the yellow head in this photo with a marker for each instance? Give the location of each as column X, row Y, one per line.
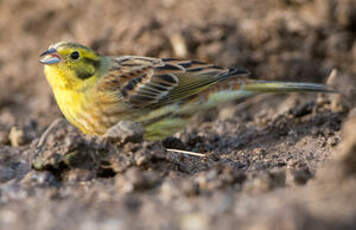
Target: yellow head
column 70, row 66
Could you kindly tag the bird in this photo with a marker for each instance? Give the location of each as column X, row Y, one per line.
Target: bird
column 97, row 92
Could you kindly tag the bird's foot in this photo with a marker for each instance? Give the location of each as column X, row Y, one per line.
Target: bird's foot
column 125, row 131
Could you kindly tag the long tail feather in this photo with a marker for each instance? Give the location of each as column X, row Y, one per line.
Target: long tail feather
column 277, row 86
column 250, row 88
column 169, row 119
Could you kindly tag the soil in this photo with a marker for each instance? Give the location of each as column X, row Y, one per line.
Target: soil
column 271, row 162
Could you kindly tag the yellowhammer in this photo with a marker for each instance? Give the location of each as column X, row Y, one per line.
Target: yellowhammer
column 96, row 92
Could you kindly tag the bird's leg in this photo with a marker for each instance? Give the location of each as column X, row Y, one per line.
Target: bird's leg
column 125, row 131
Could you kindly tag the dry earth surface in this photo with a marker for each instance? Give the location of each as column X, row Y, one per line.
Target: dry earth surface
column 272, row 162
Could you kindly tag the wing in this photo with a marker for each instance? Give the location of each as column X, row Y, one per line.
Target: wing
column 143, row 81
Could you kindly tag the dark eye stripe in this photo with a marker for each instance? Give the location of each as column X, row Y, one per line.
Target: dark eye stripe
column 85, row 73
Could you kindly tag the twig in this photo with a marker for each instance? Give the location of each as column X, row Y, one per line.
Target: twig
column 187, row 152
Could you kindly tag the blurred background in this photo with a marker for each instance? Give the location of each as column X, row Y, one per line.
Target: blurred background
column 299, row 40
column 275, row 144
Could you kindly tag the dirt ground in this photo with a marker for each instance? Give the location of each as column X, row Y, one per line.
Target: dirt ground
column 272, row 162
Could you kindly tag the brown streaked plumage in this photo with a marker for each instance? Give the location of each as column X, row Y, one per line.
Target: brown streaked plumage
column 96, row 92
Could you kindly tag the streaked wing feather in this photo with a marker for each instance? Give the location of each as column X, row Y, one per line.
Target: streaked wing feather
column 144, row 81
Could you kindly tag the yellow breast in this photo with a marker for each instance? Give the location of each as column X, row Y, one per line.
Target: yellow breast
column 80, row 111
column 85, row 106
column 77, row 105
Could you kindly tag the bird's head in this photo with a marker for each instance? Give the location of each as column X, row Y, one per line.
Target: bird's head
column 70, row 65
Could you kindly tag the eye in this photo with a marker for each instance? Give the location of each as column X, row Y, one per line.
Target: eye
column 74, row 55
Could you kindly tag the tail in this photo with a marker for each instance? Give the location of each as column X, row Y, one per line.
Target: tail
column 169, row 119
column 243, row 88
column 284, row 87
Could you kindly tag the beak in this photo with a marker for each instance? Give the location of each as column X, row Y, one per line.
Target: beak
column 50, row 56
